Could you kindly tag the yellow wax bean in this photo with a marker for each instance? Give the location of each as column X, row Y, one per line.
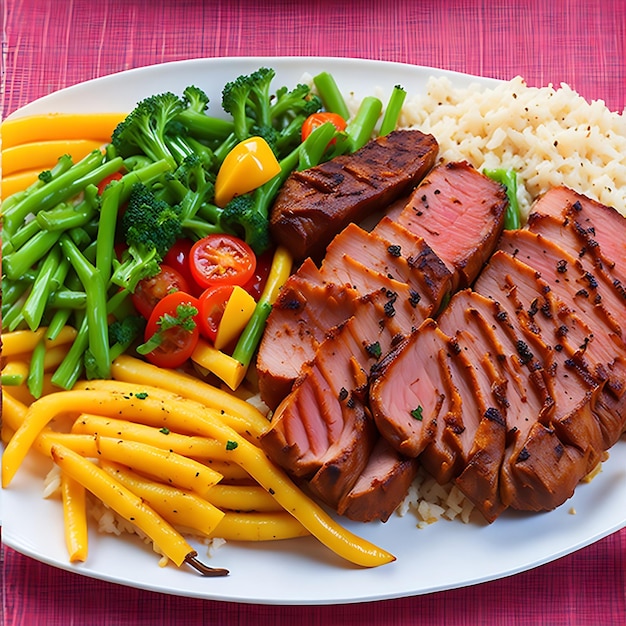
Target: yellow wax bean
column 124, row 502
column 23, row 341
column 204, row 449
column 164, row 465
column 242, row 498
column 15, row 183
column 47, row 127
column 75, row 518
column 182, row 509
column 259, row 527
column 14, row 373
column 249, row 419
column 185, row 415
column 231, row 371
column 43, row 155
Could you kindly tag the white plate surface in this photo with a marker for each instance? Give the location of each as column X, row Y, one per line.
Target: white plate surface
column 445, row 555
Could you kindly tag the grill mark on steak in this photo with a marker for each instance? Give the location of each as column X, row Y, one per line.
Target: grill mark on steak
column 314, row 204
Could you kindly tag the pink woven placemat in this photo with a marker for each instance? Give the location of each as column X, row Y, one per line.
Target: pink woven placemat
column 50, row 44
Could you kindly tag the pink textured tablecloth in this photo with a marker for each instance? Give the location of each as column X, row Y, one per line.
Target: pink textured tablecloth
column 50, row 44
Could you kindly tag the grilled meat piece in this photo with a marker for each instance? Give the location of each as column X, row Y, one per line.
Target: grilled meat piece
column 454, row 201
column 315, row 204
column 382, row 485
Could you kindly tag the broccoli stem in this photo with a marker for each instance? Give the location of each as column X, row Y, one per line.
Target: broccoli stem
column 72, row 365
column 16, row 264
column 57, row 323
column 205, row 127
column 65, row 216
column 36, row 369
column 107, row 225
column 393, row 110
column 89, row 170
column 331, row 95
column 146, row 175
column 96, row 309
column 35, row 304
column 361, row 127
column 508, row 178
column 312, row 152
column 68, row 299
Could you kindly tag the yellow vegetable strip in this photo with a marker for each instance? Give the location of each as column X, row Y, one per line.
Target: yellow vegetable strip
column 259, row 527
column 132, row 370
column 189, row 416
column 182, row 509
column 124, row 502
column 13, row 415
column 14, row 373
column 242, row 498
column 188, row 445
column 199, row 448
column 23, row 394
column 164, row 465
column 48, row 127
column 18, row 182
column 235, row 420
column 279, row 273
column 231, row 371
column 19, row 342
column 75, row 518
column 43, row 155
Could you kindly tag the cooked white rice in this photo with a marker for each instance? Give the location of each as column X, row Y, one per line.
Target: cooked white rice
column 550, row 136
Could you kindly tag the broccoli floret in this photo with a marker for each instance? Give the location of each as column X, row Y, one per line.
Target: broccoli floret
column 150, row 227
column 247, row 217
column 195, row 99
column 298, row 100
column 122, row 333
column 143, row 130
column 235, row 98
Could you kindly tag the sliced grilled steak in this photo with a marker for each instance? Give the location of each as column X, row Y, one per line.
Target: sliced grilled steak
column 460, row 213
column 601, row 226
column 315, row 204
column 322, row 430
column 301, row 318
column 381, row 487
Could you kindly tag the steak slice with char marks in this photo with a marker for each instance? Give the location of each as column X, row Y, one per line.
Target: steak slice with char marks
column 460, row 214
column 301, row 317
column 382, row 485
column 599, row 225
column 322, row 430
column 315, row 204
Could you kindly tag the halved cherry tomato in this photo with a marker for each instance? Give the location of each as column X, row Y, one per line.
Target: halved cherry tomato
column 150, row 291
column 178, row 258
column 222, row 260
column 316, row 120
column 178, row 343
column 263, row 264
column 105, row 181
column 212, row 304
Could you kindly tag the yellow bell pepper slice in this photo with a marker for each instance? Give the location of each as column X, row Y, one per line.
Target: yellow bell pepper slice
column 250, row 164
column 237, row 313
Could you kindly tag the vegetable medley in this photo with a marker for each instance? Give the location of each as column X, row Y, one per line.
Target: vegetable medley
column 142, row 255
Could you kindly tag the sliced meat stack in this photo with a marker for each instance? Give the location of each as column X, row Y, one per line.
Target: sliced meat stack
column 391, row 282
column 519, row 388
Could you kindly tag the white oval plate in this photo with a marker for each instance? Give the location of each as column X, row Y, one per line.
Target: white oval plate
column 442, row 556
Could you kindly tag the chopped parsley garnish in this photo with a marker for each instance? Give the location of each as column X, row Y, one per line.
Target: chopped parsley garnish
column 417, row 413
column 231, row 445
column 374, row 349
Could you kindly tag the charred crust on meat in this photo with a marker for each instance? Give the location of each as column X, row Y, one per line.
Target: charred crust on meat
column 291, row 304
column 561, row 266
column 394, row 250
column 424, row 200
column 577, row 206
column 414, row 298
column 523, row 455
column 583, row 293
column 343, row 394
column 523, row 351
column 502, row 316
column 562, row 330
column 534, row 308
column 591, row 280
column 493, row 415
